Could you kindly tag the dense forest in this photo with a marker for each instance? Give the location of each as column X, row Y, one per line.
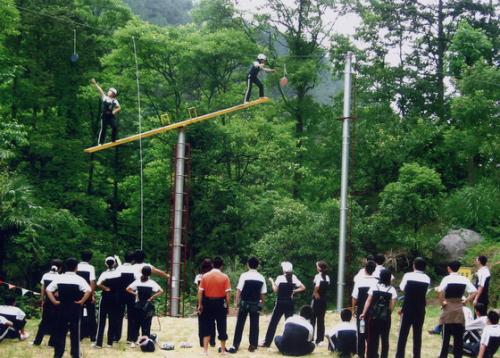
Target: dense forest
column 266, row 181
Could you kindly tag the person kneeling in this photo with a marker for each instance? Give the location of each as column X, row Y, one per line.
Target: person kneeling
column 298, row 334
column 343, row 337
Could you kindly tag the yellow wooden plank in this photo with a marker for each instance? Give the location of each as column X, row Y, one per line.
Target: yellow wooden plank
column 172, row 126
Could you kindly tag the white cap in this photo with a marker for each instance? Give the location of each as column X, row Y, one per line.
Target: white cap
column 261, row 57
column 112, row 89
column 110, row 258
column 287, row 266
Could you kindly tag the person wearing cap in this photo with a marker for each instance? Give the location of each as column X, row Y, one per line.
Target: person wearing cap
column 110, row 108
column 252, row 76
column 72, row 292
column 46, row 325
column 109, row 307
column 214, row 297
column 285, row 286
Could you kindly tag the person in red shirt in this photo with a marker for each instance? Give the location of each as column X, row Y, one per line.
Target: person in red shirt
column 214, row 295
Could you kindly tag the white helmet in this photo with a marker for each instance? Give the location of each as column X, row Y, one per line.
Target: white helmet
column 261, row 57
column 112, row 89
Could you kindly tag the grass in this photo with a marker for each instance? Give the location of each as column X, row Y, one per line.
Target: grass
column 177, row 330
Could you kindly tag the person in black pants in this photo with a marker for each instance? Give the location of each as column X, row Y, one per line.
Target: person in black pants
column 483, row 281
column 109, row 306
column 451, row 290
column 414, row 285
column 342, row 338
column 205, row 267
column 128, row 274
column 380, row 302
column 252, row 76
column 46, row 325
column 362, row 285
column 298, row 335
column 249, row 298
column 88, row 316
column 145, row 291
column 72, row 291
column 318, row 304
column 110, row 108
column 285, row 286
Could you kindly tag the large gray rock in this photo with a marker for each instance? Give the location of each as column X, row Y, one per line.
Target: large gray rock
column 454, row 244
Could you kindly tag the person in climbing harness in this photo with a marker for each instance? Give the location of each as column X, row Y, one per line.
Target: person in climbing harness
column 110, row 108
column 252, row 76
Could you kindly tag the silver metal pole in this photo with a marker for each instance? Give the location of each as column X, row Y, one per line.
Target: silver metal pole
column 178, row 224
column 344, row 179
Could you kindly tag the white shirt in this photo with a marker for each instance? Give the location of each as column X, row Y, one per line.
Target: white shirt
column 128, row 268
column 476, row 324
column 301, row 321
column 70, row 278
column 383, row 288
column 252, row 275
column 455, row 278
column 149, row 283
column 109, row 99
column 342, row 326
column 469, row 317
column 319, row 278
column 417, row 276
column 86, row 267
column 482, row 274
column 49, row 276
column 12, row 311
column 282, row 279
column 376, row 273
column 107, row 275
column 491, row 330
column 197, row 279
column 363, row 281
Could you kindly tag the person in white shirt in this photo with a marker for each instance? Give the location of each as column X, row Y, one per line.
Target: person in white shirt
column 128, row 274
column 110, row 108
column 285, row 286
column 145, row 291
column 139, row 257
column 46, row 325
column 252, row 76
column 88, row 318
column 490, row 339
column 342, row 338
column 72, row 292
column 359, row 295
column 451, row 290
column 109, row 307
column 249, row 298
column 318, row 304
column 483, row 281
column 474, row 328
column 10, row 312
column 377, row 312
column 414, row 285
column 297, row 338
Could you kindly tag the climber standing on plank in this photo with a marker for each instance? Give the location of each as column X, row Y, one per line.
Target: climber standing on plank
column 110, row 108
column 252, row 76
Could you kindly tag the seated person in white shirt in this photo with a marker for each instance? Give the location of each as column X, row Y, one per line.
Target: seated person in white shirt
column 297, row 338
column 474, row 329
column 16, row 317
column 343, row 337
column 490, row 339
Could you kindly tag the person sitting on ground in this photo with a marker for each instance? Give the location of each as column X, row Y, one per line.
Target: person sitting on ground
column 474, row 329
column 6, row 327
column 490, row 339
column 297, row 338
column 343, row 337
column 16, row 316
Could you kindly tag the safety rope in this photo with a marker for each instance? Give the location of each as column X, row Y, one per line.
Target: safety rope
column 140, row 140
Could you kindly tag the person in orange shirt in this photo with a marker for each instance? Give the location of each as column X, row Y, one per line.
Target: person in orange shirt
column 214, row 295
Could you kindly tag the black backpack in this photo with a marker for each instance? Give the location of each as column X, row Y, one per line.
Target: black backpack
column 381, row 308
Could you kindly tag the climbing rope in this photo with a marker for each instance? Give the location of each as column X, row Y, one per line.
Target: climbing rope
column 140, row 139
